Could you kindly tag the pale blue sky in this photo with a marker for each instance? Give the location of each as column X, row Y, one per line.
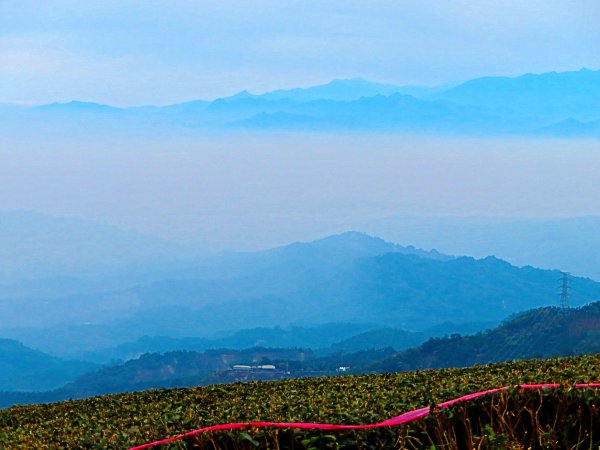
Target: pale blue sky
column 156, row 52
column 251, row 191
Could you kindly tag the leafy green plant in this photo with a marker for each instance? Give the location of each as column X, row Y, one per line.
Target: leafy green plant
column 558, row 418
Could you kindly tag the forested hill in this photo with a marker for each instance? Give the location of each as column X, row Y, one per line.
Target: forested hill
column 541, row 333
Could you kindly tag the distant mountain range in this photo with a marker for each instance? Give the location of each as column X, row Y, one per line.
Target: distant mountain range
column 351, row 278
column 540, row 333
column 323, row 339
column 564, row 104
column 576, row 94
column 339, row 90
column 318, row 337
column 571, row 244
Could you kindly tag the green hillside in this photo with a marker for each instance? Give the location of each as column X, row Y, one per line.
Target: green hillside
column 118, row 421
column 540, row 333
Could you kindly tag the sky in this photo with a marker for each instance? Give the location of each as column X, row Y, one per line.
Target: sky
column 126, row 52
column 255, row 191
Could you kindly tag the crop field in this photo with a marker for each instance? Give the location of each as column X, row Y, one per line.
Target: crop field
column 556, row 418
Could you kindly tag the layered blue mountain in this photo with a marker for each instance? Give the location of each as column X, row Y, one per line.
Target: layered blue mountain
column 570, row 244
column 566, row 104
column 395, row 112
column 488, row 105
column 78, row 108
column 320, row 337
column 351, row 278
column 25, row 369
column 547, row 96
column 51, row 267
column 342, row 90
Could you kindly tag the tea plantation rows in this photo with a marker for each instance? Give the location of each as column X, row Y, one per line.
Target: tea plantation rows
column 124, row 420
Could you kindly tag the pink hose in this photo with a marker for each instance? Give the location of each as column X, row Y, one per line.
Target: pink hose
column 398, row 420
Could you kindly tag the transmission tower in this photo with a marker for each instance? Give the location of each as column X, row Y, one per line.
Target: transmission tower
column 565, row 290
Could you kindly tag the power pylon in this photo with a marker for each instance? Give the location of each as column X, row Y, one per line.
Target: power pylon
column 565, row 290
